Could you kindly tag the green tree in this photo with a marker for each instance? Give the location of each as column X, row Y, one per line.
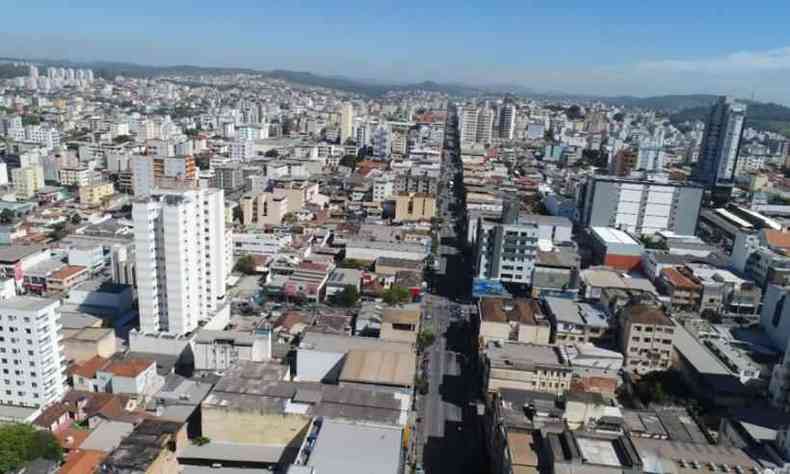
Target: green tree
column 271, row 153
column 21, row 443
column 31, row 120
column 396, row 295
column 289, row 218
column 348, row 297
column 76, row 219
column 246, row 265
column 6, row 216
column 424, row 339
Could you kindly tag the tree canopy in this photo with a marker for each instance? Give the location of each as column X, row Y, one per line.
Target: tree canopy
column 246, row 265
column 396, row 295
column 21, row 443
column 348, row 297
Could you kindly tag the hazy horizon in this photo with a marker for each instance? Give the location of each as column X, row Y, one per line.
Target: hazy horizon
column 614, row 49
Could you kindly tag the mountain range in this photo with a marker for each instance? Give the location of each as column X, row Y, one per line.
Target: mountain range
column 679, row 108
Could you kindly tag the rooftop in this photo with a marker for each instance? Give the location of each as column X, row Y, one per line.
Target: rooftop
column 14, row 253
column 27, row 303
column 521, row 310
column 379, row 367
column 567, row 311
column 611, row 235
column 523, row 356
column 374, row 449
column 647, row 314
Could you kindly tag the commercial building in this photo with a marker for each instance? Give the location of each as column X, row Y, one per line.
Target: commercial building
column 721, row 143
column 150, row 172
column 220, row 350
column 615, row 248
column 646, row 338
column 414, row 207
column 516, row 319
column 180, row 258
column 640, row 206
column 526, row 367
column 33, row 362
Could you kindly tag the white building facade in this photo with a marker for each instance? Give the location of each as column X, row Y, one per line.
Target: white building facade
column 180, row 258
column 31, row 355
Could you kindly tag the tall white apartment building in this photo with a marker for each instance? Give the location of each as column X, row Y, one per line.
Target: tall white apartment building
column 346, row 122
column 180, row 258
column 468, row 124
column 32, row 363
column 476, row 124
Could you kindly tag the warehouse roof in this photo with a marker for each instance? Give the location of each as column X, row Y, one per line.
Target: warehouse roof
column 379, row 367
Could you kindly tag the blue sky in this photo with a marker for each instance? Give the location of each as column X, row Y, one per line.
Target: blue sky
column 606, row 47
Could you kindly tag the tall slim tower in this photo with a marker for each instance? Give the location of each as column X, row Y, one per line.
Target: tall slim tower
column 507, row 121
column 721, row 141
column 346, row 122
column 180, row 258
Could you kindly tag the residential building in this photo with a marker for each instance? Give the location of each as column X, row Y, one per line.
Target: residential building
column 94, row 194
column 263, row 209
column 33, row 363
column 646, row 338
column 476, row 124
column 180, row 258
column 150, row 172
column 640, row 206
column 243, row 150
column 573, row 322
column 506, row 252
column 27, row 180
column 414, row 207
column 721, row 143
column 346, row 122
column 507, row 121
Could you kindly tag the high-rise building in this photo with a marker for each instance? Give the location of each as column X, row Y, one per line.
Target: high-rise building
column 33, row 72
column 468, row 123
column 651, row 153
column 346, row 122
column 180, row 258
column 476, row 124
column 33, row 363
column 640, row 206
column 721, row 141
column 507, row 121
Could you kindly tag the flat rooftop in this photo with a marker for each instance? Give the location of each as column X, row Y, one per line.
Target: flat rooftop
column 27, row 303
column 351, row 448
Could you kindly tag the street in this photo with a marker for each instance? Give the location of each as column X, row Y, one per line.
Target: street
column 450, row 432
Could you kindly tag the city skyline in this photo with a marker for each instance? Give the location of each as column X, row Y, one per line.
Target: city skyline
column 613, row 50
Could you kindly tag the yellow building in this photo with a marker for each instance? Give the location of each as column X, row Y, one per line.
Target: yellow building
column 94, row 194
column 27, row 180
column 414, row 207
